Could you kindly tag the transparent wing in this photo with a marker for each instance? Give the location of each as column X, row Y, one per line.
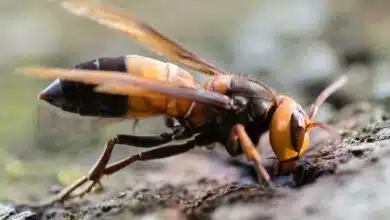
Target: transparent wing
column 119, row 83
column 142, row 32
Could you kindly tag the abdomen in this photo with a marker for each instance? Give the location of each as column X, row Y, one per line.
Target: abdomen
column 85, row 101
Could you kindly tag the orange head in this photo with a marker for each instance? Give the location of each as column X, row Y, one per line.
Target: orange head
column 290, row 127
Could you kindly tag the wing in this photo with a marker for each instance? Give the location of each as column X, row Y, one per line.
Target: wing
column 119, row 83
column 141, row 32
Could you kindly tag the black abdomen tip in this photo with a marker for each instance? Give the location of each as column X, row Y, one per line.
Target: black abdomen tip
column 81, row 98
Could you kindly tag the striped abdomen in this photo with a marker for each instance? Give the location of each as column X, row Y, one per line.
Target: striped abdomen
column 82, row 99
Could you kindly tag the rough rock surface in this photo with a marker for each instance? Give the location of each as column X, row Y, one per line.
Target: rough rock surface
column 343, row 181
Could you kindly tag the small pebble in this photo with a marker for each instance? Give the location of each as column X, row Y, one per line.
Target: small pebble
column 121, row 195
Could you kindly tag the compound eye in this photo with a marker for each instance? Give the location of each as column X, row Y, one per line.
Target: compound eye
column 297, row 130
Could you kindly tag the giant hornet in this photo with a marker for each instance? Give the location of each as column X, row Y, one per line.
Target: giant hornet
column 228, row 109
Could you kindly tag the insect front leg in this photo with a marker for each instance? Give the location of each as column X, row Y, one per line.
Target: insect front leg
column 238, row 142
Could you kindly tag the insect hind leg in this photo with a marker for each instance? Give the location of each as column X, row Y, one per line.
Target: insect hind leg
column 101, row 168
column 135, row 141
column 144, row 141
column 158, row 153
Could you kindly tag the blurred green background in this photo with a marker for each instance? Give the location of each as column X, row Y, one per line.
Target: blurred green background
column 295, row 46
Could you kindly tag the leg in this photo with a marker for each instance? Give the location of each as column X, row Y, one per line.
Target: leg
column 179, row 133
column 137, row 141
column 93, row 175
column 239, row 136
column 159, row 153
column 135, row 124
column 144, row 141
column 101, row 169
column 180, row 130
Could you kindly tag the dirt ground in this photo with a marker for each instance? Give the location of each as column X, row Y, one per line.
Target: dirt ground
column 344, row 181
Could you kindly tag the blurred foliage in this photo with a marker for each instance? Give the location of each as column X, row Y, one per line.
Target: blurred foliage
column 286, row 43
